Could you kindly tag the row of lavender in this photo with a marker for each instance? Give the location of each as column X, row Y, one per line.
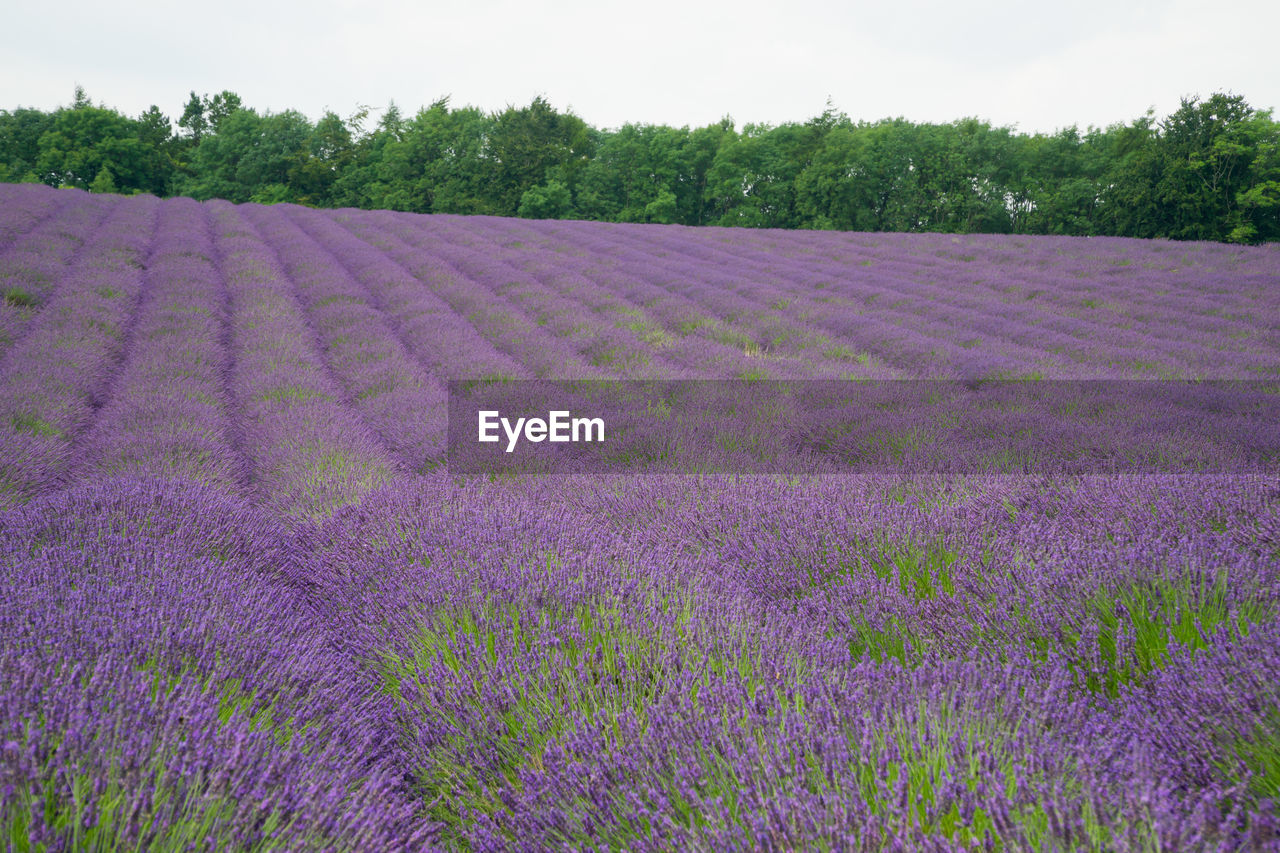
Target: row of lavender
column 664, row 662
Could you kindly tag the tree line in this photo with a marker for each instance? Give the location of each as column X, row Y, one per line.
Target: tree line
column 1208, row 171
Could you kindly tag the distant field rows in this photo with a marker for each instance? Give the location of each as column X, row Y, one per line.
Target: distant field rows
column 276, row 349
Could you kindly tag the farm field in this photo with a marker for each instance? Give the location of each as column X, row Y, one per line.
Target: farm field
column 246, row 605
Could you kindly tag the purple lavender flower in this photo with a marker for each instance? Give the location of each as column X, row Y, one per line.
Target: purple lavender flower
column 246, row 603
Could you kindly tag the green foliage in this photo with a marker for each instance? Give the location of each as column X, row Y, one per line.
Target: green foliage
column 18, row 297
column 80, row 142
column 20, row 133
column 548, row 201
column 597, row 664
column 193, row 119
column 101, row 811
column 1209, row 171
column 103, row 183
column 753, row 178
column 527, row 144
column 1138, row 625
column 29, row 423
column 434, row 162
column 649, row 173
column 1259, row 750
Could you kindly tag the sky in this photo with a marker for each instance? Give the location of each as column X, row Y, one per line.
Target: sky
column 1036, row 66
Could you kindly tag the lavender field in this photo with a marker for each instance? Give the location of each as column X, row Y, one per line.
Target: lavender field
column 246, row 606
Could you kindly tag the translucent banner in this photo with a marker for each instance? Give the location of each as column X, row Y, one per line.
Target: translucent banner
column 915, row 426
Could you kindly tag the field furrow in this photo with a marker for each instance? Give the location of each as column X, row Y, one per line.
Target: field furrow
column 55, row 380
column 34, row 264
column 308, row 452
column 405, row 406
column 167, row 414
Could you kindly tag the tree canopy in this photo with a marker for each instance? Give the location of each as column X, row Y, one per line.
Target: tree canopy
column 1208, row 171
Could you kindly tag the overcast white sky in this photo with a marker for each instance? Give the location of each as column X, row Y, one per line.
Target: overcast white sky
column 1036, row 65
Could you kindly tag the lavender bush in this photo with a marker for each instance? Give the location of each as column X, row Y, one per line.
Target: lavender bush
column 247, row 604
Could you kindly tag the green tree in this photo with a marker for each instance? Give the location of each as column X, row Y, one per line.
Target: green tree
column 193, row 120
column 330, row 151
column 869, row 178
column 638, row 174
column 1258, row 215
column 1207, row 148
column 356, row 184
column 103, row 183
column 276, row 156
column 1210, row 170
column 752, row 180
column 548, row 201
column 155, row 132
column 220, row 107
column 526, row 144
column 81, row 140
column 20, row 133
column 693, row 197
column 663, row 209
column 252, row 157
column 1128, row 204
column 980, row 190
column 435, row 162
column 1059, row 183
